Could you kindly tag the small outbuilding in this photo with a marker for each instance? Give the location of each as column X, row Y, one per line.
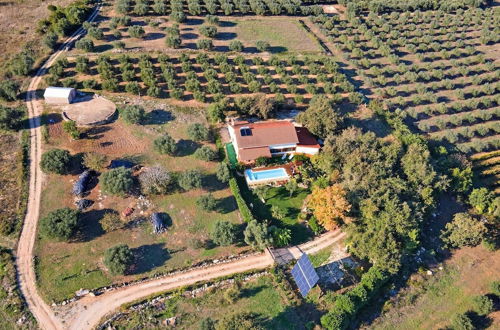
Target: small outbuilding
column 59, row 95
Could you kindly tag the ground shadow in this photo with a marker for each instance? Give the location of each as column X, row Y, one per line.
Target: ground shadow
column 186, row 147
column 96, row 132
column 227, row 24
column 250, row 292
column 159, row 117
column 103, row 48
column 226, row 205
column 154, row 36
column 90, row 226
column 193, row 21
column 148, row 257
column 226, row 35
column 189, row 36
column 211, row 183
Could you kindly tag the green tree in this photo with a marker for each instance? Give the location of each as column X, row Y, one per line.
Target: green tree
column 207, row 324
column 257, row 235
column 282, row 236
column 50, row 40
column 224, row 233
column 8, row 89
column 204, row 44
column 22, row 63
column 464, row 230
column 483, row 305
column 198, row 132
column 85, row 44
column 133, row 114
column 207, row 202
column 481, row 199
column 215, row 111
column 462, row 322
column 111, row 221
column 209, row 31
column 291, row 186
column 95, row 161
column 461, row 179
column 190, row 179
column 72, row 130
column 205, row 153
column 322, row 117
column 240, row 321
column 223, row 172
column 262, row 46
column 165, row 144
column 118, row 259
column 117, row 181
column 55, row 161
column 60, row 224
column 136, row 31
column 236, row 46
column 10, row 118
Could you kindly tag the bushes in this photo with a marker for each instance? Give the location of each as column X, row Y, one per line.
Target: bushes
column 136, row 31
column 224, row 233
column 223, row 172
column 464, row 230
column 165, row 145
column 72, row 130
column 95, row 161
column 204, row 44
column 133, row 114
column 236, row 46
column 155, row 180
column 60, row 224
column 85, row 44
column 347, row 305
column 208, row 31
column 205, row 153
column 8, row 90
column 262, row 46
column 111, row 221
column 22, row 63
column 245, row 212
column 206, row 202
column 198, row 132
column 462, row 322
column 50, row 40
column 118, row 259
column 190, row 179
column 483, row 305
column 55, row 161
column 117, row 181
column 10, row 118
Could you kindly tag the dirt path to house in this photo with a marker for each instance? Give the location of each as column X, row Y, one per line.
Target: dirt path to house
column 24, row 254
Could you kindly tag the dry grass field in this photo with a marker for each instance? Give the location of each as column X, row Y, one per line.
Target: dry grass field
column 64, row 268
column 430, row 302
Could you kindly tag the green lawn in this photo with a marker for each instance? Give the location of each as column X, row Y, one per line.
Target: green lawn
column 280, row 197
column 283, row 34
column 260, row 296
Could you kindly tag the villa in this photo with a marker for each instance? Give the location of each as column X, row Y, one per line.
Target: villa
column 269, row 139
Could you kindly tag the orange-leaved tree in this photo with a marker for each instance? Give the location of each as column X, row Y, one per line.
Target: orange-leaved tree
column 329, row 205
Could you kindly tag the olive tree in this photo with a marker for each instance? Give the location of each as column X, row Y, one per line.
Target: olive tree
column 60, row 224
column 56, row 161
column 165, row 144
column 224, row 233
column 118, row 259
column 117, row 181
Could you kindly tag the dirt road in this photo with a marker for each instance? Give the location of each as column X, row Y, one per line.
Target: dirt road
column 24, row 254
column 87, row 312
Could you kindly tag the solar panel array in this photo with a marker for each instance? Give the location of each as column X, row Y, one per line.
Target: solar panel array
column 304, row 275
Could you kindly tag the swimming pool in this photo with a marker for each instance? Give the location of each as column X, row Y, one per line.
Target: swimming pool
column 274, row 174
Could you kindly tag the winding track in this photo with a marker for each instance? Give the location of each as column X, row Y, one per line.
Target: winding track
column 87, row 312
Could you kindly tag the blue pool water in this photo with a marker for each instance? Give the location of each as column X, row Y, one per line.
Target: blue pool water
column 275, row 173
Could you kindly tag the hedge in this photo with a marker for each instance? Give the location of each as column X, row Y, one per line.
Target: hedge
column 242, row 205
column 347, row 305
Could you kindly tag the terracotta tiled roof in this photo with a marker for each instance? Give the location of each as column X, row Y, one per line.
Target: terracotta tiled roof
column 265, row 134
column 306, row 138
column 250, row 154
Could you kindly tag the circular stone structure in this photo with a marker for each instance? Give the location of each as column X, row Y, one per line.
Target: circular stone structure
column 89, row 110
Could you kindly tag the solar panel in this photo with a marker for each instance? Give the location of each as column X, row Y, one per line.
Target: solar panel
column 304, row 275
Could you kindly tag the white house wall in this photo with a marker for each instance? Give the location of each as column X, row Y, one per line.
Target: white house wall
column 306, row 150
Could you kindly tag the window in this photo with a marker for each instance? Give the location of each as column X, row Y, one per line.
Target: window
column 245, row 131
